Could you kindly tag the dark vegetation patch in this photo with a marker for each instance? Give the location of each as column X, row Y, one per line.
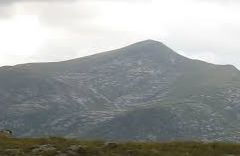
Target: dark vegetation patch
column 55, row 146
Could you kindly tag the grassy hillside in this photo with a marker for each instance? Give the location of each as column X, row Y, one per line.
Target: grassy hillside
column 70, row 147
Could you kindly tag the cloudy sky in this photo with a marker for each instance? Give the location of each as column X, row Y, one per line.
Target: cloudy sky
column 54, row 30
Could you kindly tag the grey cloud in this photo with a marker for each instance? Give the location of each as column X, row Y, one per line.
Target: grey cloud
column 18, row 1
column 220, row 1
column 5, row 12
column 222, row 42
column 68, row 16
column 9, row 2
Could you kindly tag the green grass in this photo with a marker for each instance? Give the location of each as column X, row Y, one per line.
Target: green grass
column 24, row 147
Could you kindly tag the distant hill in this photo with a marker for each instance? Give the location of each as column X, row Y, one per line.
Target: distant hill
column 144, row 91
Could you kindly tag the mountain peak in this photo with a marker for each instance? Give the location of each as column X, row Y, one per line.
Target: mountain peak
column 152, row 49
column 149, row 43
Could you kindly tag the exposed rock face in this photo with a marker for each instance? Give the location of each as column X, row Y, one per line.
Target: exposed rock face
column 143, row 91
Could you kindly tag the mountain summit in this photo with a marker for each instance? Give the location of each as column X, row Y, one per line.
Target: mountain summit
column 151, row 48
column 139, row 92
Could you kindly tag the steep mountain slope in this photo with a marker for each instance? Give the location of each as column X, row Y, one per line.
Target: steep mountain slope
column 121, row 88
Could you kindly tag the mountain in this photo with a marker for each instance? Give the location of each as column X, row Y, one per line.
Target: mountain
column 139, row 92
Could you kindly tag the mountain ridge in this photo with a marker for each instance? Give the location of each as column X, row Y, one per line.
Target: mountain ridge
column 148, row 42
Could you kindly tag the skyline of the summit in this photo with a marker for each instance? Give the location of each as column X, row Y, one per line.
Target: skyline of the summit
column 55, row 30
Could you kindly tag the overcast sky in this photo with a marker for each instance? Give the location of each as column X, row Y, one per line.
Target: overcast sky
column 54, row 30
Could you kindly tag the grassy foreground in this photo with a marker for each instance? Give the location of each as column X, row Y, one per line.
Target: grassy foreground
column 68, row 147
